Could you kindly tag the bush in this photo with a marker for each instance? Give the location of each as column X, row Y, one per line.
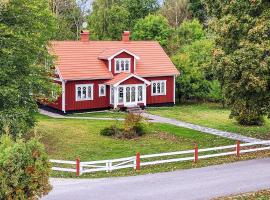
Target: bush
column 24, row 169
column 110, row 131
column 134, row 126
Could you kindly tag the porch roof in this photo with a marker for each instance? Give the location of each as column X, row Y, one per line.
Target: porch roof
column 119, row 78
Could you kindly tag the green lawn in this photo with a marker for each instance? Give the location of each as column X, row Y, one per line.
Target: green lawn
column 67, row 139
column 211, row 115
column 103, row 114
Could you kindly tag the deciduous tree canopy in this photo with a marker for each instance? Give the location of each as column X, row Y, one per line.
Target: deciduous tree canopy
column 26, row 26
column 241, row 60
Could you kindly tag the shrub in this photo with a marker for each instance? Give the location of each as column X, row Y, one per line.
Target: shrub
column 24, row 169
column 113, row 130
column 134, row 126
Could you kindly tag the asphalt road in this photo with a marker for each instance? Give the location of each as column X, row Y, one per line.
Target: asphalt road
column 201, row 183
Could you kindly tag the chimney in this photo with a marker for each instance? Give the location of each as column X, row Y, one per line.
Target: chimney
column 84, row 36
column 125, row 36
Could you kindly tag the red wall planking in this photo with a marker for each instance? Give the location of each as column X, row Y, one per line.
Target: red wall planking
column 97, row 102
column 168, row 98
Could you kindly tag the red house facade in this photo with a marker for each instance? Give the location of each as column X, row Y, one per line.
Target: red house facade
column 103, row 74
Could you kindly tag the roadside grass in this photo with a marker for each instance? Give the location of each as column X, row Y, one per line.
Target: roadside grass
column 103, row 114
column 211, row 115
column 259, row 195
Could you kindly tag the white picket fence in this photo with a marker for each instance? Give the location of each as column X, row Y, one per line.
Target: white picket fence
column 137, row 161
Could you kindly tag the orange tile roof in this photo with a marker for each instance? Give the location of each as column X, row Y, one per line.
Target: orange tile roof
column 117, row 78
column 78, row 60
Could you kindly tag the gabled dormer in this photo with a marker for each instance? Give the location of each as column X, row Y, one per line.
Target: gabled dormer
column 120, row 59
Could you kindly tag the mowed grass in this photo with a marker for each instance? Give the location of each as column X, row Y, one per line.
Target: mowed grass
column 211, row 115
column 103, row 114
column 68, row 139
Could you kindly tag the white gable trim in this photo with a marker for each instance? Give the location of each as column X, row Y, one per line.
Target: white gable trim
column 124, row 50
column 130, row 76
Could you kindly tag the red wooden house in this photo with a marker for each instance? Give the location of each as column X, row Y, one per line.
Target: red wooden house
column 103, row 74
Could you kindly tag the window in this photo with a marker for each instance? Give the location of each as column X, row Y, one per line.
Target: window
column 140, row 93
column 102, row 90
column 120, row 94
column 84, row 92
column 158, row 88
column 122, row 65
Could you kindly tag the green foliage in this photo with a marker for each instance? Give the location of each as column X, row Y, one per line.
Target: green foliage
column 113, row 130
column 198, row 10
column 117, row 21
column 24, row 169
column 176, row 11
column 139, row 9
column 241, row 58
column 152, row 27
column 193, row 60
column 134, row 126
column 215, row 93
column 23, row 52
column 109, row 19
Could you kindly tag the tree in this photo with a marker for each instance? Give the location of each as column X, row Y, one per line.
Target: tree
column 193, row 61
column 197, row 10
column 152, row 27
column 70, row 15
column 24, row 169
column 26, row 26
column 139, row 9
column 241, row 59
column 108, row 19
column 176, row 11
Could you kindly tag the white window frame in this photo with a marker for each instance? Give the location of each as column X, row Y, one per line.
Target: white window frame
column 84, row 85
column 99, row 90
column 160, row 82
column 120, row 60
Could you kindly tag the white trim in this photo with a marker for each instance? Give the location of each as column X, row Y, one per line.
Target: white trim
column 120, row 60
column 157, row 75
column 124, row 50
column 87, row 86
column 174, row 90
column 57, row 79
column 64, row 96
column 99, row 90
column 110, row 65
column 115, row 101
column 131, row 103
column 58, row 72
column 160, row 82
column 130, row 76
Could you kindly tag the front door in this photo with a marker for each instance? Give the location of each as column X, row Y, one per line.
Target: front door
column 130, row 98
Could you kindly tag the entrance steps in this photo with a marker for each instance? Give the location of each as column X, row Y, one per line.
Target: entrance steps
column 134, row 109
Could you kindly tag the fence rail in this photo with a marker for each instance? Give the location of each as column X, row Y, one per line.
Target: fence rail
column 137, row 161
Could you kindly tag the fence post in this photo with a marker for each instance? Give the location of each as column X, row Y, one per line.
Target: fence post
column 78, row 167
column 138, row 161
column 196, row 153
column 238, row 148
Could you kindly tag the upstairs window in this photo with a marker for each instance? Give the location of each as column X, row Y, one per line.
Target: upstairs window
column 84, row 92
column 158, row 88
column 122, row 65
column 102, row 90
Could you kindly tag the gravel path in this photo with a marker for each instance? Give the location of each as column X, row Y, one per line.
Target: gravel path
column 193, row 184
column 202, row 129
